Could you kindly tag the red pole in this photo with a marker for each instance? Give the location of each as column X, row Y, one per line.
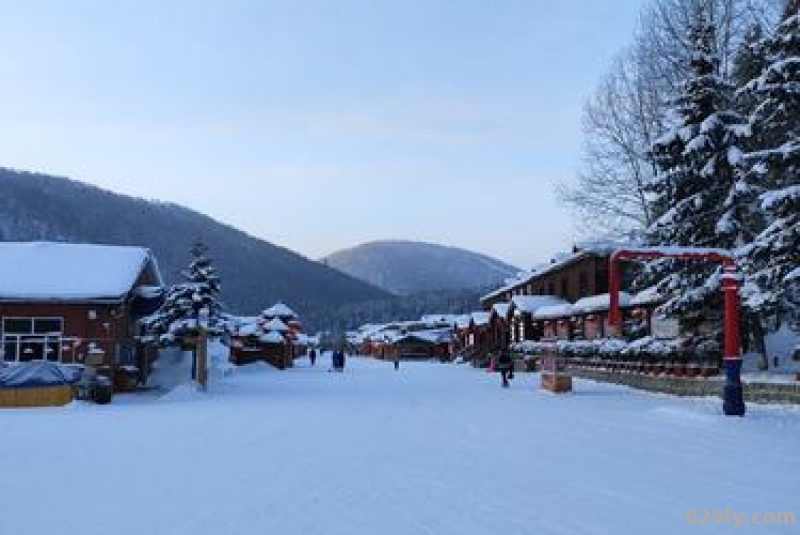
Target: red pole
column 733, row 394
column 614, row 319
column 730, row 288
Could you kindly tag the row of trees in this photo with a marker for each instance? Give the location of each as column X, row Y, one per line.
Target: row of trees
column 717, row 163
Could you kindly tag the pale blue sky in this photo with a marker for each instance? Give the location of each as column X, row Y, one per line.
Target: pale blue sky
column 317, row 124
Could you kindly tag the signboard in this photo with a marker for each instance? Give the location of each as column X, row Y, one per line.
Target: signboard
column 665, row 328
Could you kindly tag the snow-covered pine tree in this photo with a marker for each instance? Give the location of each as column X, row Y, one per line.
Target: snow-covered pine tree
column 177, row 316
column 773, row 259
column 748, row 63
column 203, row 276
column 697, row 192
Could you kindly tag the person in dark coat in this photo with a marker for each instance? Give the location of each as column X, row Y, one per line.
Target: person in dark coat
column 312, row 355
column 505, row 365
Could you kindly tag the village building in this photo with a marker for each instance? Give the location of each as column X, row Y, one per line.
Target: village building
column 582, row 273
column 275, row 337
column 433, row 336
column 60, row 301
column 522, row 310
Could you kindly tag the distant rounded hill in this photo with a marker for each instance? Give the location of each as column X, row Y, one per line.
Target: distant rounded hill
column 406, row 267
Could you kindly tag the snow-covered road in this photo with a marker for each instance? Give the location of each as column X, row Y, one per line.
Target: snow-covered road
column 438, row 449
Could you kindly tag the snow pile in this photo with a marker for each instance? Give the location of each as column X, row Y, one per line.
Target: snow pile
column 279, row 310
column 554, row 311
column 598, row 303
column 531, row 303
column 173, row 368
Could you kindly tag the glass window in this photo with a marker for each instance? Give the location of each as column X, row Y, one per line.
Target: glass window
column 30, row 339
column 47, row 325
column 10, row 349
column 31, row 348
column 17, row 326
column 52, row 349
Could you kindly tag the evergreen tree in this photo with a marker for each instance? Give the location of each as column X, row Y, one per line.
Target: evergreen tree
column 773, row 259
column 183, row 302
column 748, row 63
column 203, row 276
column 698, row 192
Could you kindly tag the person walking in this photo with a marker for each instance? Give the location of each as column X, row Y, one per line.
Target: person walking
column 396, row 362
column 505, row 365
column 312, row 356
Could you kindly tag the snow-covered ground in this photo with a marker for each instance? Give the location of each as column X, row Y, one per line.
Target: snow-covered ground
column 433, row 448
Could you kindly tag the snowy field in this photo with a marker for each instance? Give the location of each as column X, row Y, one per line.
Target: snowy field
column 433, row 449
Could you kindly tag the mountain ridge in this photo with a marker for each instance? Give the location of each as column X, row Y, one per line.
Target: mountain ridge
column 255, row 273
column 406, row 267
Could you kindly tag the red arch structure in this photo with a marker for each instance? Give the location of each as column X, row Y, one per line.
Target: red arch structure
column 733, row 397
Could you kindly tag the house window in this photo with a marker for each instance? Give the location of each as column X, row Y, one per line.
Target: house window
column 28, row 339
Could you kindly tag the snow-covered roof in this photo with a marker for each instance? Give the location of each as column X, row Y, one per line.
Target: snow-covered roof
column 462, row 322
column 249, row 329
column 272, row 337
column 480, row 318
column 501, row 309
column 149, row 292
column 677, row 250
column 48, row 271
column 275, row 324
column 434, row 336
column 600, row 302
column 531, row 303
column 439, row 318
column 554, row 311
column 279, row 310
column 302, row 339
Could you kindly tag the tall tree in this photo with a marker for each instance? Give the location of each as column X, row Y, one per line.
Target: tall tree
column 623, row 118
column 773, row 259
column 697, row 188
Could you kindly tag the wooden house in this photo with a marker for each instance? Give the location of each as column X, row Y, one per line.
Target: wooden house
column 428, row 344
column 480, row 337
column 582, row 273
column 274, row 337
column 58, row 301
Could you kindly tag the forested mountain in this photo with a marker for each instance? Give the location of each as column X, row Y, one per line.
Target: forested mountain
column 406, row 267
column 254, row 273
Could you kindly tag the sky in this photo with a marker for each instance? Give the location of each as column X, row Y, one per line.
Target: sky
column 313, row 124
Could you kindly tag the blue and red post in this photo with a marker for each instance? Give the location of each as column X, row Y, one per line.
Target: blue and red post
column 733, row 394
